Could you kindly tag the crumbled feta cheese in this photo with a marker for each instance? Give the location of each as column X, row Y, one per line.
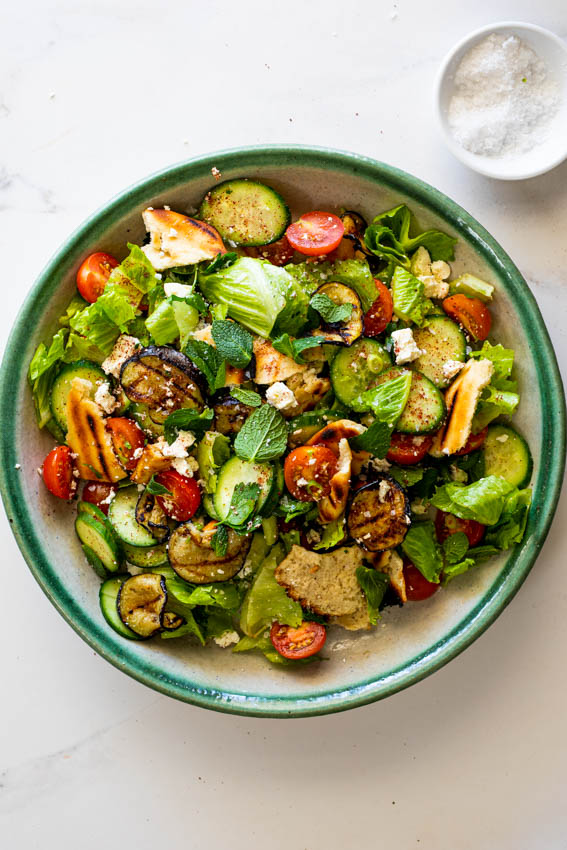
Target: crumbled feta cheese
column 458, row 474
column 405, row 348
column 179, row 289
column 124, row 348
column 177, row 449
column 227, row 639
column 185, row 466
column 215, row 172
column 280, row 396
column 313, row 536
column 451, row 368
column 433, row 288
column 379, row 464
column 432, row 275
column 137, row 453
column 302, row 482
column 383, row 490
column 105, row 399
column 501, row 438
column 109, row 498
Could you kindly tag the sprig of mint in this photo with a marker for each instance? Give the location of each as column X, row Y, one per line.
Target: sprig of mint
column 219, row 541
column 156, row 489
column 248, row 397
column 232, row 342
column 186, row 419
column 208, row 360
column 294, row 348
column 221, row 261
column 263, row 436
column 328, row 310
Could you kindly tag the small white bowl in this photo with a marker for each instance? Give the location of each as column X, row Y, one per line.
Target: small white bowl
column 553, row 51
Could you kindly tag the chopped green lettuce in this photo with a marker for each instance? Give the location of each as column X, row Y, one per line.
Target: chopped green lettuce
column 421, row 547
column 410, row 304
column 333, row 534
column 353, row 273
column 511, row 526
column 388, row 237
column 41, row 372
column 267, row 601
column 374, row 585
column 482, row 500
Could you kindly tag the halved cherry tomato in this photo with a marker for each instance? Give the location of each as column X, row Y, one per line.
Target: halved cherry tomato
column 127, row 437
column 407, row 449
column 93, row 274
column 278, row 253
column 58, row 472
column 315, row 233
column 302, row 642
column 308, row 471
column 471, row 313
column 447, row 524
column 473, row 443
column 417, row 586
column 185, row 495
column 380, row 313
column 98, row 493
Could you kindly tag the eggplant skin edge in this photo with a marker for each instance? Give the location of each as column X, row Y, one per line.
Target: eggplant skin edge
column 394, row 528
column 173, row 358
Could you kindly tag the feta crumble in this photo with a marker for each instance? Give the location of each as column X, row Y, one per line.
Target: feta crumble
column 187, row 466
column 280, row 396
column 227, row 639
column 105, row 399
column 177, row 449
column 432, row 275
column 179, row 289
column 383, row 490
column 501, row 438
column 458, row 474
column 405, row 347
column 451, row 368
column 124, row 348
column 379, row 464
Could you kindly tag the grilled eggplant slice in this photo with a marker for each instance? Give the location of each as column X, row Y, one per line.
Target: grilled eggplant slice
column 379, row 515
column 163, row 379
column 151, row 516
column 141, row 602
column 230, row 414
column 198, row 563
column 172, row 621
column 341, row 333
column 354, row 224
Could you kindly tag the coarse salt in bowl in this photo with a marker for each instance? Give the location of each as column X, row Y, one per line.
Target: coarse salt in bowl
column 506, row 151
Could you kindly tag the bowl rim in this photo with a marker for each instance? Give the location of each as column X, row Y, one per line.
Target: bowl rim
column 474, row 161
column 493, row 601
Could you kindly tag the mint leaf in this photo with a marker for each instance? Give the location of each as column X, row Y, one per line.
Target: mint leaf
column 219, row 541
column 328, row 310
column 221, row 261
column 248, row 397
column 208, row 360
column 263, row 436
column 421, row 547
column 294, row 348
column 243, row 502
column 232, row 342
column 156, row 489
column 186, row 419
column 376, row 439
column 455, row 547
column 406, row 476
column 374, row 584
column 290, row 508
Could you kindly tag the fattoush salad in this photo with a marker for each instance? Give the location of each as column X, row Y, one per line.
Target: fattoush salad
column 274, row 427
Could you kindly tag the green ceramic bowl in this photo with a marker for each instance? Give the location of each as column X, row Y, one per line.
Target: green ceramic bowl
column 410, row 643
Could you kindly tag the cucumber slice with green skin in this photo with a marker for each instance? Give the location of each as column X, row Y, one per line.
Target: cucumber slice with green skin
column 108, row 595
column 153, row 556
column 96, row 513
column 355, row 367
column 209, row 505
column 425, row 408
column 100, row 540
column 507, row 454
column 246, row 212
column 122, row 517
column 141, row 414
column 237, row 471
column 441, row 340
column 85, row 369
column 95, row 562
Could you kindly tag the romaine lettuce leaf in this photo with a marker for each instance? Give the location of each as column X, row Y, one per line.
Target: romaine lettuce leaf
column 421, row 547
column 254, row 292
column 333, row 533
column 482, row 500
column 502, row 358
column 267, row 601
column 135, row 274
column 41, row 373
column 513, row 520
column 410, row 304
column 374, row 585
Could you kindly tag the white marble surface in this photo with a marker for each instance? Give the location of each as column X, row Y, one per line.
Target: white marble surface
column 93, row 96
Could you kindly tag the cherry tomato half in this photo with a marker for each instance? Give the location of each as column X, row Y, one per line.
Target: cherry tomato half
column 447, row 524
column 93, row 274
column 127, row 437
column 302, row 642
column 315, row 233
column 58, row 472
column 417, row 586
column 471, row 313
column 473, row 443
column 185, row 495
column 97, row 493
column 380, row 313
column 278, row 253
column 407, row 449
column 308, row 471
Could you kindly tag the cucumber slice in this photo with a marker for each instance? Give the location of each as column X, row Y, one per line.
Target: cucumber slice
column 246, row 212
column 141, row 414
column 100, row 540
column 236, row 471
column 441, row 340
column 122, row 517
column 85, row 369
column 95, row 562
column 209, row 505
column 108, row 595
column 472, row 286
column 96, row 513
column 425, row 407
column 507, row 454
column 153, row 556
column 355, row 367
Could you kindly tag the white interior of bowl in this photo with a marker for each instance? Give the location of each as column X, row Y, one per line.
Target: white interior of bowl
column 403, row 634
column 553, row 51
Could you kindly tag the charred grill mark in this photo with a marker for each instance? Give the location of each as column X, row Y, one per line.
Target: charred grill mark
column 99, row 448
